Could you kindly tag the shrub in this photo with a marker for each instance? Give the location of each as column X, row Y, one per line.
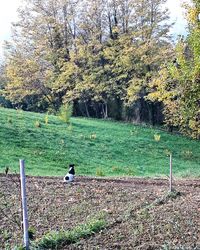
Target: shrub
column 65, row 112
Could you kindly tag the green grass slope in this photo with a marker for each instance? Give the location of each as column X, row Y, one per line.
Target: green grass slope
column 97, row 147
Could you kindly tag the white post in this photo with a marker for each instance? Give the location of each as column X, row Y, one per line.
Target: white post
column 170, row 173
column 24, row 205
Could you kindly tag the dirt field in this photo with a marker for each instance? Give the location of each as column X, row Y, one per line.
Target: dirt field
column 138, row 212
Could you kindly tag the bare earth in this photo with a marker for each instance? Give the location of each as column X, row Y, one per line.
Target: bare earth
column 137, row 215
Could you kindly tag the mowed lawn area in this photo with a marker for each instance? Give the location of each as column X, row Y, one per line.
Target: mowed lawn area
column 96, row 147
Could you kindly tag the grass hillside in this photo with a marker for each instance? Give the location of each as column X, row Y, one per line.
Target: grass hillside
column 102, row 148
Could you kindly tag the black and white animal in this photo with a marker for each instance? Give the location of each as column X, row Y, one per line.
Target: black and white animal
column 71, row 174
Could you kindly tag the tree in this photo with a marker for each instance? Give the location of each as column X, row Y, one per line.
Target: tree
column 99, row 54
column 178, row 86
column 3, row 82
column 152, row 47
column 41, row 43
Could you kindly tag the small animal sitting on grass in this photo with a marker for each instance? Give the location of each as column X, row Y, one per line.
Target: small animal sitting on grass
column 71, row 174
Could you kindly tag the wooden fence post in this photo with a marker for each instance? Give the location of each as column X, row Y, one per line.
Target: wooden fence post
column 170, row 173
column 24, row 203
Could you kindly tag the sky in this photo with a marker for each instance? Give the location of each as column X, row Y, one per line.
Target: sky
column 8, row 14
column 177, row 15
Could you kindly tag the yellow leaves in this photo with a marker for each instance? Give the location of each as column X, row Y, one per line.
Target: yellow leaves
column 115, row 29
column 14, row 78
column 11, row 75
column 180, row 53
column 194, row 125
column 174, row 72
column 69, row 69
column 125, row 61
column 192, row 15
column 25, row 78
column 109, row 53
column 154, row 96
column 66, row 77
column 48, row 75
column 134, row 90
column 158, row 86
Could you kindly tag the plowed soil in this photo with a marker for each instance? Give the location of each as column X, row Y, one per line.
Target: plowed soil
column 138, row 212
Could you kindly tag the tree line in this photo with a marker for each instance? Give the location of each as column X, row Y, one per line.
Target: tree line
column 109, row 58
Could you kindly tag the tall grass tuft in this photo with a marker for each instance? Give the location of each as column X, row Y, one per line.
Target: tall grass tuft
column 157, row 137
column 99, row 172
column 93, row 136
column 46, row 118
column 37, row 124
column 10, row 120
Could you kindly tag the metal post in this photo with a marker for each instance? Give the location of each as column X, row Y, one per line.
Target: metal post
column 24, row 204
column 170, row 173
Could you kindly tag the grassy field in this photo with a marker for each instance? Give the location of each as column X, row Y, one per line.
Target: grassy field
column 97, row 147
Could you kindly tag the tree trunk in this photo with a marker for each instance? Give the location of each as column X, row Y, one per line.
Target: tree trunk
column 86, row 109
column 106, row 111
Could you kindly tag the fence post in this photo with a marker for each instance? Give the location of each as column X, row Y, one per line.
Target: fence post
column 170, row 173
column 24, row 204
